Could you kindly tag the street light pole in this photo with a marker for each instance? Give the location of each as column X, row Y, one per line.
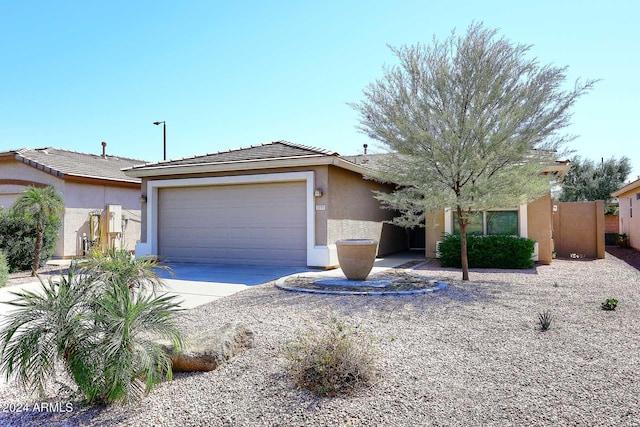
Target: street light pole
column 164, row 136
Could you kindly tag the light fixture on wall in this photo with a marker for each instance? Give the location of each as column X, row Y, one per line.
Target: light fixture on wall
column 318, row 192
column 143, row 198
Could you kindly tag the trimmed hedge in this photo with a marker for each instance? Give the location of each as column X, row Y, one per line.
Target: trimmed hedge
column 488, row 251
column 18, row 240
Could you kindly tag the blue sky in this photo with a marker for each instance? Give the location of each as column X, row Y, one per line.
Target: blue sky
column 229, row 74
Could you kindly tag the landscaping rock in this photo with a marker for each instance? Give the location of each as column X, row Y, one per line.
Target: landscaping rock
column 207, row 350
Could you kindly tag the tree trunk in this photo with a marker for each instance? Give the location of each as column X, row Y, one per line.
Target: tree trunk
column 463, row 252
column 37, row 249
column 463, row 245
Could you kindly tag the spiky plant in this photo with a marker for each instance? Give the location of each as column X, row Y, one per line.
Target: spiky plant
column 544, row 320
column 45, row 328
column 119, row 265
column 132, row 361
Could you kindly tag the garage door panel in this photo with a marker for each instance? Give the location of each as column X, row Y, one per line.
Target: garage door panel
column 263, row 224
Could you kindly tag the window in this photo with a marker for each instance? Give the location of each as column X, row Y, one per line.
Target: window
column 490, row 223
column 475, row 226
column 637, row 196
column 630, row 207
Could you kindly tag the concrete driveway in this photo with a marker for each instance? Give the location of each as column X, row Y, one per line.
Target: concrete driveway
column 198, row 284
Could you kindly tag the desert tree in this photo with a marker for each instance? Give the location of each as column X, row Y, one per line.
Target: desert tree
column 39, row 205
column 470, row 124
column 587, row 181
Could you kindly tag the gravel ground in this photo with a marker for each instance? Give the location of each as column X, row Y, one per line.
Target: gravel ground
column 469, row 355
column 44, row 272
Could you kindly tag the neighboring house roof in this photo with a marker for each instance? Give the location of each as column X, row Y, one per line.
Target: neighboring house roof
column 627, row 188
column 270, row 155
column 64, row 163
column 376, row 160
column 371, row 161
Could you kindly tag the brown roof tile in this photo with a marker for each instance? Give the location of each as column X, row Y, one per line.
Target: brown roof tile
column 272, row 150
column 63, row 162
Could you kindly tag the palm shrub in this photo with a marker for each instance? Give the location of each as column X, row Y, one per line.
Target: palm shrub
column 39, row 205
column 120, row 266
column 102, row 332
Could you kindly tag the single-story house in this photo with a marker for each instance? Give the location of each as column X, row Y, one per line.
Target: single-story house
column 628, row 198
column 285, row 204
column 272, row 204
column 102, row 204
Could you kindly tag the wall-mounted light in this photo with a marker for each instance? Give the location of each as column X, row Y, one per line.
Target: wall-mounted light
column 143, row 198
column 318, row 192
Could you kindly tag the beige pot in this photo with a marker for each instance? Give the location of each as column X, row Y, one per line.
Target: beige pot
column 356, row 257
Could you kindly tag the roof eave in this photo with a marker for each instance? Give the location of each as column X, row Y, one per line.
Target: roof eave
column 629, row 187
column 560, row 169
column 242, row 165
column 101, row 178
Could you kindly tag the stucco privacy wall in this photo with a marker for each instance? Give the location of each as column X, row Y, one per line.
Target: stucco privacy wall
column 354, row 212
column 540, row 227
column 83, row 199
column 578, row 228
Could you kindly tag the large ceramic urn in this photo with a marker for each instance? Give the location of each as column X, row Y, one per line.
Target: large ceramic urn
column 356, row 257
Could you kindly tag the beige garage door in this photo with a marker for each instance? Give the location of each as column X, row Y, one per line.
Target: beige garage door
column 258, row 224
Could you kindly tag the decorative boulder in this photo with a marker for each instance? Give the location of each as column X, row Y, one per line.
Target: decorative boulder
column 209, row 349
column 356, row 257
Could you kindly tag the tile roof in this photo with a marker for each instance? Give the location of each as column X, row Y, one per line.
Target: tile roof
column 63, row 163
column 370, row 161
column 272, row 150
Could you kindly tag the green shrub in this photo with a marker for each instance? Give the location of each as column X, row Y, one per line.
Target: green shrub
column 4, row 270
column 609, row 304
column 336, row 360
column 488, row 251
column 18, row 240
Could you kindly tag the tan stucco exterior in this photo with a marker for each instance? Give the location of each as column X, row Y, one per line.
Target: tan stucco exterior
column 344, row 209
column 538, row 227
column 354, row 212
column 81, row 197
column 434, row 229
column 629, row 212
column 578, row 229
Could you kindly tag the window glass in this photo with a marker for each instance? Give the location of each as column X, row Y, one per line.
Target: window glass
column 502, row 222
column 474, row 226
